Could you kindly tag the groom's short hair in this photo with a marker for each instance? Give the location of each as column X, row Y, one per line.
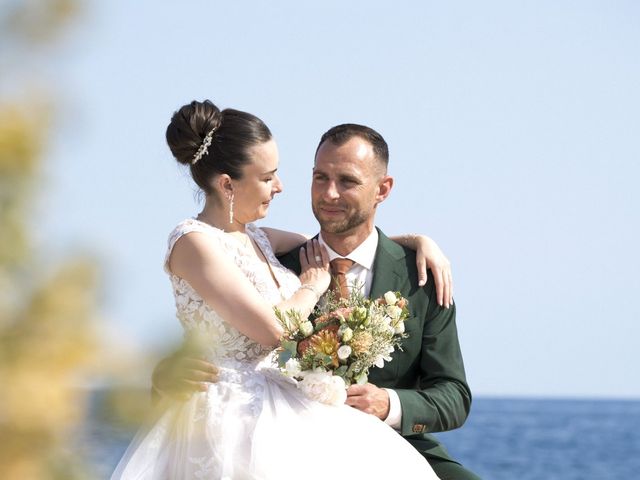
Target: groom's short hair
column 341, row 134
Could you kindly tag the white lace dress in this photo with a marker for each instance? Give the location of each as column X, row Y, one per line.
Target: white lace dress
column 254, row 423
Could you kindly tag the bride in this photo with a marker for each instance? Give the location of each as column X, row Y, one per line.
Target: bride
column 253, row 423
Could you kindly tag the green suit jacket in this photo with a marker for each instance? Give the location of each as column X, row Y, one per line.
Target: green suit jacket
column 428, row 374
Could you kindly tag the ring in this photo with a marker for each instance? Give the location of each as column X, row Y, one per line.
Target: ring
column 318, row 258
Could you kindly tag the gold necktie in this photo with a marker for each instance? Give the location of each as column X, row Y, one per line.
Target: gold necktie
column 339, row 267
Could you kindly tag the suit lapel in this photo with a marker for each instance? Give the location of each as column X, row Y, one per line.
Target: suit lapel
column 389, row 268
column 389, row 274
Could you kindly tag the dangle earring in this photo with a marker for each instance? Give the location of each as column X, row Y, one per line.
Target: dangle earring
column 231, row 209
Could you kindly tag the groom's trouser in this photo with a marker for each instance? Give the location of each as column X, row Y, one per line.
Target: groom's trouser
column 436, row 454
column 450, row 470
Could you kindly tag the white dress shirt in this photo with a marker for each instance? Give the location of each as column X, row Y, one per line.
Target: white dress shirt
column 361, row 274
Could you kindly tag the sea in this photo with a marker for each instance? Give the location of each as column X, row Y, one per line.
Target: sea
column 503, row 439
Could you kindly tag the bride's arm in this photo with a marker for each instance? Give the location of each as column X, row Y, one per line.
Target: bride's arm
column 184, row 372
column 429, row 254
column 234, row 297
column 282, row 241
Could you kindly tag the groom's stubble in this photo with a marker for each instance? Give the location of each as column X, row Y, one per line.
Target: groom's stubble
column 337, row 227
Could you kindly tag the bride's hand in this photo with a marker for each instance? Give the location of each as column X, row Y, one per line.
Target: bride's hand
column 429, row 254
column 314, row 263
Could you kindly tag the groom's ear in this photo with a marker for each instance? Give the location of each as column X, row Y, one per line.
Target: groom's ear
column 384, row 188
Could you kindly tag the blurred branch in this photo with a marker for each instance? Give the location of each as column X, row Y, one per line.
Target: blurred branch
column 37, row 21
column 23, row 131
column 48, row 333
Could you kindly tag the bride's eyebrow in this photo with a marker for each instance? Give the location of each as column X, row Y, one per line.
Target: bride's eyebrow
column 271, row 172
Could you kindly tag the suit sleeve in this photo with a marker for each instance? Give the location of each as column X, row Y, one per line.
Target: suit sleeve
column 291, row 260
column 442, row 398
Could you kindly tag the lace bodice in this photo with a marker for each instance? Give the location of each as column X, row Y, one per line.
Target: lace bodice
column 225, row 345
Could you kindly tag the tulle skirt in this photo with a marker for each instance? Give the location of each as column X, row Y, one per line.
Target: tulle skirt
column 256, row 424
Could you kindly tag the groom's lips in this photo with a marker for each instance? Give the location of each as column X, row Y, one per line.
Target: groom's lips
column 331, row 211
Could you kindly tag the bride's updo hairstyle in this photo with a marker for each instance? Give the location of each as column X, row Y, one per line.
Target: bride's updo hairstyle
column 213, row 141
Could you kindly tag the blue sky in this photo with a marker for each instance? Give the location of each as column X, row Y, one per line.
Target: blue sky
column 513, row 132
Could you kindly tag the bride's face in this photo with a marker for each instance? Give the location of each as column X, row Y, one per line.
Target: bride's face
column 258, row 185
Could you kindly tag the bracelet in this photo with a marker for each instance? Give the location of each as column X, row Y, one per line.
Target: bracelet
column 308, row 286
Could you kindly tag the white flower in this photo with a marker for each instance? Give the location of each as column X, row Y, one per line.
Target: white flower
column 399, row 328
column 381, row 317
column 361, row 378
column 390, row 298
column 345, row 333
column 344, row 351
column 292, row 367
column 306, row 328
column 394, row 311
column 324, row 387
column 379, row 361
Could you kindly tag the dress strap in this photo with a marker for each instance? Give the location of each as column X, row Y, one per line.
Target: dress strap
column 260, row 238
column 282, row 276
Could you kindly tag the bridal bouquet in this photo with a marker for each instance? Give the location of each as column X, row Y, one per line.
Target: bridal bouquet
column 345, row 338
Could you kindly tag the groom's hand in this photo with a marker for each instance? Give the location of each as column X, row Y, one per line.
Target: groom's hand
column 370, row 399
column 181, row 374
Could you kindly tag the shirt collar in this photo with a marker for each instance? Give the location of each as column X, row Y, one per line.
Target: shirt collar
column 363, row 255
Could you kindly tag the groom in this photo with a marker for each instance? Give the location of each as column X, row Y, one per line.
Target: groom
column 424, row 388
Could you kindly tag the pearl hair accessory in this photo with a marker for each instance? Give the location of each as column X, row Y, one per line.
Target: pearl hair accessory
column 204, row 148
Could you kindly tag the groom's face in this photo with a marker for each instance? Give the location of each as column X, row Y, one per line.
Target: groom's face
column 348, row 183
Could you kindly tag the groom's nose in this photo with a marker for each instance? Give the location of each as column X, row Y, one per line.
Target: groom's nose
column 330, row 191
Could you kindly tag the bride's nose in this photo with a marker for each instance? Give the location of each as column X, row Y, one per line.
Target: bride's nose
column 277, row 185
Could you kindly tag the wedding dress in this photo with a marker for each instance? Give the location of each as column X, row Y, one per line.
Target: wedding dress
column 254, row 423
